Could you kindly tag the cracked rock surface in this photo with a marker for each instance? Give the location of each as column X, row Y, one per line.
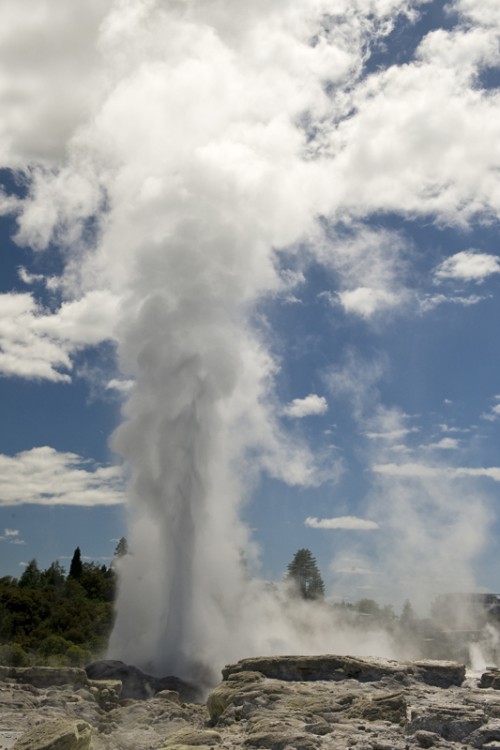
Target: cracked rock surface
column 271, row 703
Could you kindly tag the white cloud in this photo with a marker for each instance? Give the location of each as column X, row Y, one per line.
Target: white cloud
column 12, row 536
column 443, row 427
column 468, row 265
column 493, row 414
column 29, row 278
column 44, row 476
column 305, row 407
column 486, row 12
column 122, row 386
column 369, row 265
column 366, row 301
column 447, row 443
column 425, row 471
column 347, row 523
column 396, row 434
column 430, row 301
column 37, row 344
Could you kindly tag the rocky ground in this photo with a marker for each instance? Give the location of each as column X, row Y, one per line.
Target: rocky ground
column 274, row 703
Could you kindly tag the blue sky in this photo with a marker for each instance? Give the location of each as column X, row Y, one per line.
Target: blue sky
column 268, row 240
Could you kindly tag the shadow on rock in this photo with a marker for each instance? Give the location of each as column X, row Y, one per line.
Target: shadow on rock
column 139, row 685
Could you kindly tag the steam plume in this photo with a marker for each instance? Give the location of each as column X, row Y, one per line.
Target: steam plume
column 202, row 143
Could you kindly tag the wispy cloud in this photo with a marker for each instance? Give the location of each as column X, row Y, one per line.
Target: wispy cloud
column 390, row 435
column 122, row 386
column 305, row 407
column 12, row 536
column 430, row 301
column 493, row 414
column 421, row 470
column 346, row 523
column 447, row 444
column 44, row 476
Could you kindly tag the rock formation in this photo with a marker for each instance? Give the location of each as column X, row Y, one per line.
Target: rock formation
column 268, row 703
column 139, row 685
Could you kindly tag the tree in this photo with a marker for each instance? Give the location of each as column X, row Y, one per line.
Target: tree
column 75, row 569
column 304, row 575
column 54, row 576
column 31, row 577
column 121, row 548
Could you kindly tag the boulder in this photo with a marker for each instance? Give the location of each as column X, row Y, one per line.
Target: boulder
column 490, row 679
column 106, row 692
column 60, row 734
column 380, row 707
column 314, row 668
column 443, row 674
column 450, row 722
column 487, row 736
column 139, row 685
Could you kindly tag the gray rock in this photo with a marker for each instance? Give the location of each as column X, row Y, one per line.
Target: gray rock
column 426, row 739
column 139, row 685
column 490, row 679
column 380, row 707
column 368, row 704
column 442, row 674
column 312, row 668
column 486, row 736
column 57, row 735
column 449, row 722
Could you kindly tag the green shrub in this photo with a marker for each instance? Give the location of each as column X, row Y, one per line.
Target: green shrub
column 13, row 655
column 54, row 645
column 77, row 656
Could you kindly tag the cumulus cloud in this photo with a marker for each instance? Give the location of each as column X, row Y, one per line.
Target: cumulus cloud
column 305, row 407
column 38, row 344
column 468, row 265
column 347, row 523
column 44, row 476
column 365, row 301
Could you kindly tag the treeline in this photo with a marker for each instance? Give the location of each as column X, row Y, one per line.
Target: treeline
column 53, row 618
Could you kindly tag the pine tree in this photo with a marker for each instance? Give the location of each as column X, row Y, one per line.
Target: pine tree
column 75, row 569
column 121, row 548
column 304, row 574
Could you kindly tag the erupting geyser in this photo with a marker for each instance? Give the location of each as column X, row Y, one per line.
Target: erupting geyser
column 204, row 152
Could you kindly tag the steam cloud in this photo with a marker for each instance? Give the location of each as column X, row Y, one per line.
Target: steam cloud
column 182, row 153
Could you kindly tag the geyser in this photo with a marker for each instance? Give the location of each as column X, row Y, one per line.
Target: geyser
column 209, row 152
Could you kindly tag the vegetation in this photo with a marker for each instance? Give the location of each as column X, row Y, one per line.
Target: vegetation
column 304, row 575
column 52, row 618
column 48, row 617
